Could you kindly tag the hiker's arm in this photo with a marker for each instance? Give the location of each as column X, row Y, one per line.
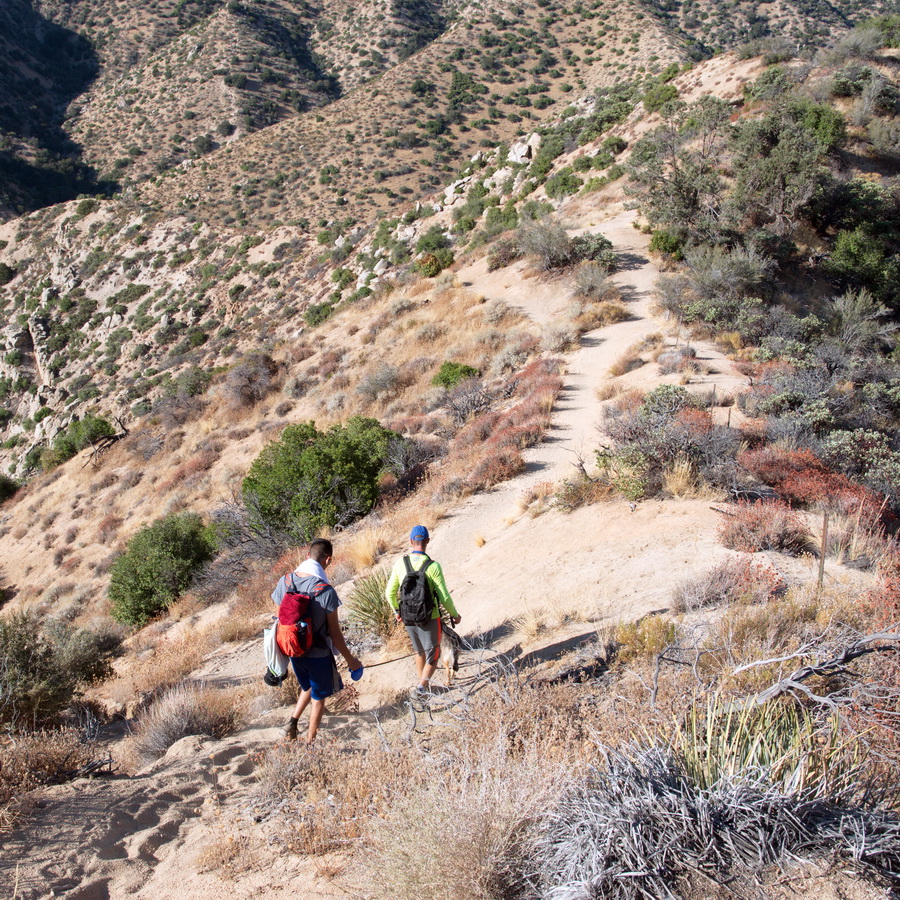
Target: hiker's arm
column 436, row 577
column 392, row 589
column 337, row 638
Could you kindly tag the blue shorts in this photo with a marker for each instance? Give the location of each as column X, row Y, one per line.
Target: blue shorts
column 318, row 674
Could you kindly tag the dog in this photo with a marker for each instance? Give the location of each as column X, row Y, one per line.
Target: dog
column 451, row 644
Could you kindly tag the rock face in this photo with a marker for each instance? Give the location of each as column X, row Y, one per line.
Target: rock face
column 522, row 151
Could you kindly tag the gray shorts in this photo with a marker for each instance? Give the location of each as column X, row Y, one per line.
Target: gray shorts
column 426, row 639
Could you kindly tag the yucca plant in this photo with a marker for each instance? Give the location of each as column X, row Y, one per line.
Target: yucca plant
column 781, row 739
column 367, row 606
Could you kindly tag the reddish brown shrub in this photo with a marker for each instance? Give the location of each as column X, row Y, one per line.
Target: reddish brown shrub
column 108, row 528
column 885, row 596
column 764, row 525
column 799, row 476
column 499, row 466
column 695, row 422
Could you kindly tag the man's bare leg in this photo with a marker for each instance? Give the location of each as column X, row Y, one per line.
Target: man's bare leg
column 302, row 703
column 315, row 718
column 427, row 670
column 420, row 665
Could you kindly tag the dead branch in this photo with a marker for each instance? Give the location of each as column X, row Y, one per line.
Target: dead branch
column 883, row 642
column 100, row 445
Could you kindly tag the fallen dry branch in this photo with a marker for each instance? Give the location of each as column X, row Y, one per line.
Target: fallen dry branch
column 883, row 642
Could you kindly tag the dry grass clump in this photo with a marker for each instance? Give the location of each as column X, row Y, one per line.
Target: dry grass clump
column 230, row 853
column 734, row 580
column 531, row 622
column 643, row 639
column 574, row 493
column 537, row 499
column 181, row 711
column 165, row 665
column 765, row 525
column 627, row 362
column 682, row 481
column 465, row 827
column 363, row 548
column 38, row 758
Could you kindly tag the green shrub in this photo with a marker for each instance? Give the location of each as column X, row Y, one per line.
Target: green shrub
column 158, row 565
column 666, row 243
column 434, row 239
column 307, row 479
column 658, row 96
column 562, row 183
column 432, row 264
column 7, row 273
column 41, row 669
column 317, row 313
column 76, row 437
column 451, row 373
column 85, row 207
column 8, row 487
column 595, row 248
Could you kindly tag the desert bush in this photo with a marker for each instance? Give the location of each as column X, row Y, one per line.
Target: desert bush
column 562, row 183
column 42, row 668
column 639, row 826
column 667, row 244
column 367, row 607
column 592, row 281
column 452, row 373
column 249, row 381
column 158, row 565
column 658, row 96
column 501, row 254
column 76, row 437
column 183, row 710
column 669, row 427
column 8, row 487
column 861, row 43
column 574, row 493
column 307, row 479
column 799, row 476
column 430, row 265
column 545, row 240
column 385, row 380
column 765, row 525
column 734, row 580
column 559, row 336
column 644, row 639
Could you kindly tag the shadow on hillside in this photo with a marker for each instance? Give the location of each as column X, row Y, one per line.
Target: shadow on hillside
column 554, row 651
column 630, row 262
column 629, row 293
column 490, row 636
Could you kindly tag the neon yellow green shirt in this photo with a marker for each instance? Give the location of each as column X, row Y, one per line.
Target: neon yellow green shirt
column 435, row 576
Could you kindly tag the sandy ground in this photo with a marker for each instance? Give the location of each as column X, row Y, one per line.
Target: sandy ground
column 147, row 836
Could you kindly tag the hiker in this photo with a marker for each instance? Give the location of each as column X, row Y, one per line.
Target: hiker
column 316, row 670
column 425, row 636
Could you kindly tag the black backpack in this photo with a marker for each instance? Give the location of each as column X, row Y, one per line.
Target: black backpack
column 416, row 601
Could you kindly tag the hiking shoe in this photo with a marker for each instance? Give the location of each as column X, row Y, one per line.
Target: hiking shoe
column 290, row 730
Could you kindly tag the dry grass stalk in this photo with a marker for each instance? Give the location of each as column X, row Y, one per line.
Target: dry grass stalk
column 364, row 548
column 183, row 710
column 627, row 362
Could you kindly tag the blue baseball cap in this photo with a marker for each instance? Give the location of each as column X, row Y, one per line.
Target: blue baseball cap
column 419, row 533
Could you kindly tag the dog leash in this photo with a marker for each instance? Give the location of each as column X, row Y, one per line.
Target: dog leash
column 387, row 661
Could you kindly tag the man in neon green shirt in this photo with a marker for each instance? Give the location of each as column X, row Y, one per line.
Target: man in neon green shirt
column 426, row 639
